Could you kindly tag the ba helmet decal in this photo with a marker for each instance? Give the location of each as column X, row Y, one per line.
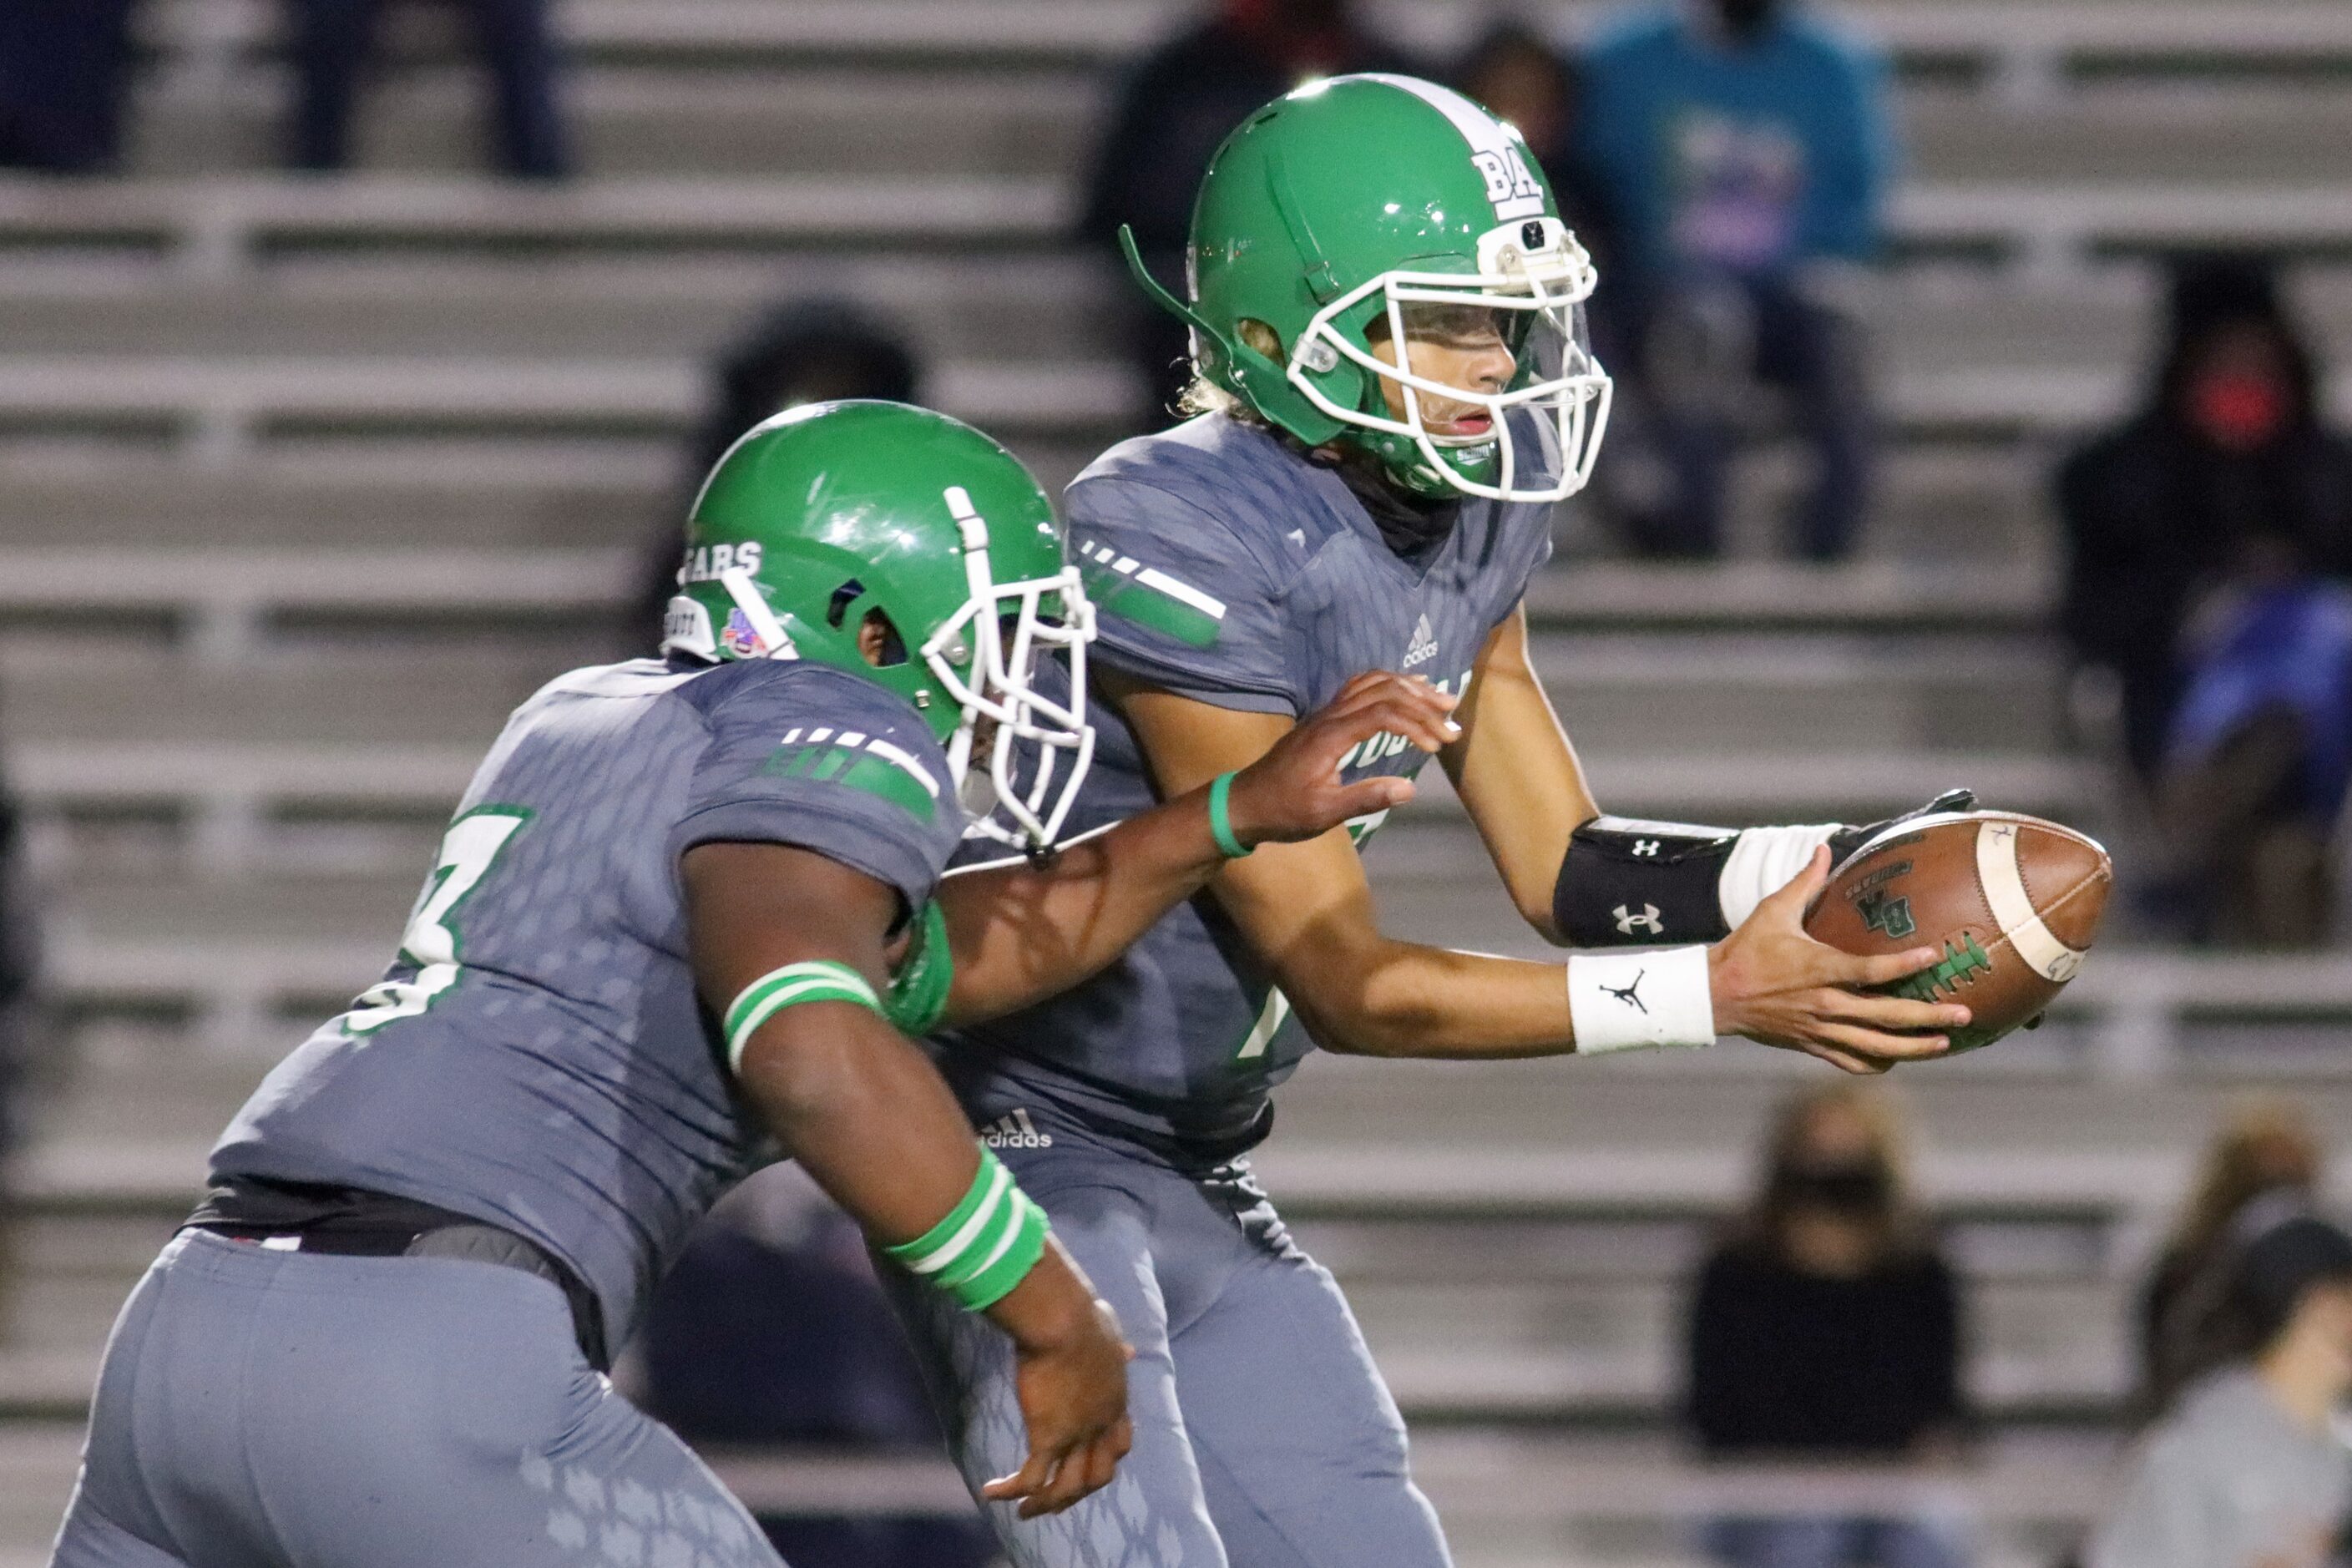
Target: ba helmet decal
column 1495, row 149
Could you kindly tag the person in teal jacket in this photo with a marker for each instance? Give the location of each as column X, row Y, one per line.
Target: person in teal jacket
column 1746, row 149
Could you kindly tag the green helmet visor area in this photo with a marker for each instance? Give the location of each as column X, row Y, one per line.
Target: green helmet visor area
column 1529, row 292
column 987, row 655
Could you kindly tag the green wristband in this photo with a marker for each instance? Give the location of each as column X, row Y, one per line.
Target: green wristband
column 818, row 980
column 1221, row 826
column 919, row 991
column 986, row 1244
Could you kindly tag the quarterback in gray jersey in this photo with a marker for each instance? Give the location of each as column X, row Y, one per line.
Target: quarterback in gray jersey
column 675, row 931
column 1387, row 324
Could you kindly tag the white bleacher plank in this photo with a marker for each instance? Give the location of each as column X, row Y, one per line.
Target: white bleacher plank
column 225, row 595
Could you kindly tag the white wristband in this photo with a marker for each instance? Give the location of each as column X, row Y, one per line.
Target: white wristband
column 1633, row 1001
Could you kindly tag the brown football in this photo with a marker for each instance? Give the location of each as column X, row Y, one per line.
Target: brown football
column 2013, row 901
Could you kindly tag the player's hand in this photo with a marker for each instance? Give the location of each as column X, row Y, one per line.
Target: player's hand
column 1294, row 791
column 1777, row 986
column 1072, row 1382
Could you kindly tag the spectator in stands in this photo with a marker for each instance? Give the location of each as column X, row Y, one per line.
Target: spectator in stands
column 2210, row 544
column 1173, row 108
column 2249, row 1471
column 1744, row 148
column 2266, row 1148
column 812, row 351
column 775, row 1269
column 64, row 68
column 1826, row 1327
column 333, row 39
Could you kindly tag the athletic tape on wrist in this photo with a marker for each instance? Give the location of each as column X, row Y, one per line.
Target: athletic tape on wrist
column 1221, row 825
column 815, row 980
column 1637, row 1001
column 986, row 1244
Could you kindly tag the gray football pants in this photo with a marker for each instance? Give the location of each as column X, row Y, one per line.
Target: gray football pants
column 1264, row 1436
column 262, row 1409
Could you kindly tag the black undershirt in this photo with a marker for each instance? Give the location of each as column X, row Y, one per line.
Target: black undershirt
column 1410, row 525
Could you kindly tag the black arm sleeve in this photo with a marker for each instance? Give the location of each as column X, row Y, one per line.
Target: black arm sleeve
column 1630, row 883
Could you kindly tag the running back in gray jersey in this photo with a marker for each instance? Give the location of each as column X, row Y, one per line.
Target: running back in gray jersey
column 1227, row 567
column 536, row 1057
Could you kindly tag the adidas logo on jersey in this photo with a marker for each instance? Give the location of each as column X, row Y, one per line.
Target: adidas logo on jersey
column 1015, row 1132
column 1423, row 648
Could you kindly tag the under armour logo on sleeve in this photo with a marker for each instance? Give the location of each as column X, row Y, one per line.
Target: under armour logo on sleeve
column 1629, row 922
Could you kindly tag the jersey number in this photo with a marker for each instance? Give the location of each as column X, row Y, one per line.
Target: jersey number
column 468, row 849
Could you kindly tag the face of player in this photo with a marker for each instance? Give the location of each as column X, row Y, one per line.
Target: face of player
column 1458, row 345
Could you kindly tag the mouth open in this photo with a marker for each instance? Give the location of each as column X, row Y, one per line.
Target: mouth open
column 1473, row 426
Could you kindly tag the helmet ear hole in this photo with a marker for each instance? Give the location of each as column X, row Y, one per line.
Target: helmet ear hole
column 879, row 641
column 1259, row 337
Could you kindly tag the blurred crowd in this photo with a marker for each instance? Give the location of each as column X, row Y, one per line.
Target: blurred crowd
column 66, row 77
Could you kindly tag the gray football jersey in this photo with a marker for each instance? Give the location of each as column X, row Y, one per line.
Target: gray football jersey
column 1229, row 568
column 536, row 1057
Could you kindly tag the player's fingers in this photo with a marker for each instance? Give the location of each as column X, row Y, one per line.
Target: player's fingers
column 1370, row 795
column 1788, row 904
column 1022, row 1482
column 1846, row 1062
column 1068, row 1484
column 1899, row 1012
column 1861, row 971
column 1876, row 1043
column 1398, row 707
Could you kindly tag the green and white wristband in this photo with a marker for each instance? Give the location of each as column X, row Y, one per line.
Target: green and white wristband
column 1638, row 1001
column 816, row 980
column 987, row 1244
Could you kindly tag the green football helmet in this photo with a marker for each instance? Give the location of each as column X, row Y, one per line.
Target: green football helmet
column 824, row 513
column 1385, row 199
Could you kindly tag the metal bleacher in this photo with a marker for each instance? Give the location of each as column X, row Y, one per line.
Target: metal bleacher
column 310, row 480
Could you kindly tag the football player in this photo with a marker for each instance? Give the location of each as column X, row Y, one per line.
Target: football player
column 673, row 933
column 1387, row 321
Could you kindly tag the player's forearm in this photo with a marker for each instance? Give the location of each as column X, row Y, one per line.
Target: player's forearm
column 1021, row 933
column 1401, row 999
column 865, row 1113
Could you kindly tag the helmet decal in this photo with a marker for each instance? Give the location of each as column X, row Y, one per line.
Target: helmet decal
column 1495, row 153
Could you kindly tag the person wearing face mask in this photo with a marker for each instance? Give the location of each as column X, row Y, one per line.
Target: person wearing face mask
column 2210, row 539
column 1826, row 1328
column 1745, row 148
column 2250, row 1469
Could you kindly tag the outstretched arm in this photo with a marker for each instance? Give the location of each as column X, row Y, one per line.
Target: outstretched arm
column 1309, row 912
column 1020, row 933
column 866, row 1115
column 1582, row 880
